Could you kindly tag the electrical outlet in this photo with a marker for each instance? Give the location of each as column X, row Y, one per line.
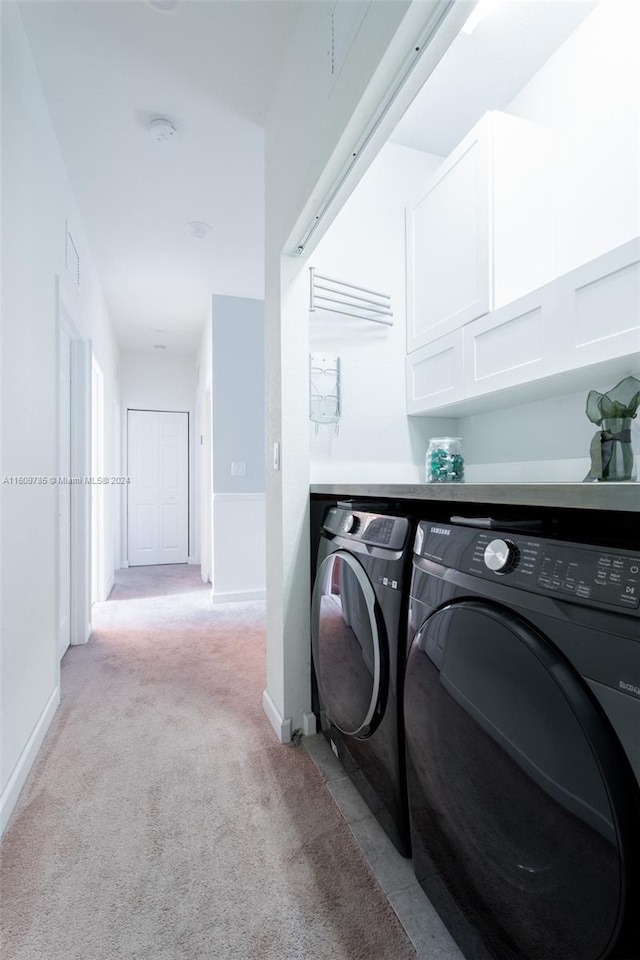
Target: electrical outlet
column 238, row 468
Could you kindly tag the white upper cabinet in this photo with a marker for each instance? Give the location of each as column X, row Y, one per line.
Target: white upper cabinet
column 548, row 342
column 481, row 234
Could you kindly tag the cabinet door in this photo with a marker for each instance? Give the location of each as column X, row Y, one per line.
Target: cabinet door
column 599, row 303
column 512, row 345
column 434, row 374
column 449, row 242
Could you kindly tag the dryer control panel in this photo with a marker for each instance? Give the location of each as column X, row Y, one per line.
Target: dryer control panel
column 603, row 576
column 372, row 529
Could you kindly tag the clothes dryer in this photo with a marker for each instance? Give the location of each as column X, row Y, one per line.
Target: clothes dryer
column 358, row 643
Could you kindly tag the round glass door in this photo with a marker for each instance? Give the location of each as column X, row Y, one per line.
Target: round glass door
column 506, row 790
column 347, row 650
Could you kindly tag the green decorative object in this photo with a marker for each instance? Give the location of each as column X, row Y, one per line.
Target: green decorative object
column 444, row 460
column 611, row 451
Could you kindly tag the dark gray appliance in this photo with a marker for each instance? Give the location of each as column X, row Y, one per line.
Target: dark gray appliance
column 522, row 719
column 358, row 645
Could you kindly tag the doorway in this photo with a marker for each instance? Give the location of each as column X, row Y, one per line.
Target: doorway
column 158, row 495
column 97, row 489
column 74, row 463
column 64, row 489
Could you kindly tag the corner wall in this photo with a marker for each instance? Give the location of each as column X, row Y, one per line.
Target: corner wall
column 311, row 128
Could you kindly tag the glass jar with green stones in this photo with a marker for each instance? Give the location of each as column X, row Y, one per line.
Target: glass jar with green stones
column 444, row 460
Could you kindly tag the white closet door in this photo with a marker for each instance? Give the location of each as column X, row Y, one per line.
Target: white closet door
column 173, row 487
column 158, row 503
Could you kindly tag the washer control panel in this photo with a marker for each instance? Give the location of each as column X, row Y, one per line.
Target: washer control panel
column 575, row 571
column 584, row 572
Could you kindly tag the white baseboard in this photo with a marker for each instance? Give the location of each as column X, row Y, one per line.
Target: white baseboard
column 309, row 724
column 124, row 564
column 192, row 561
column 281, row 726
column 237, row 595
column 16, row 781
column 109, row 587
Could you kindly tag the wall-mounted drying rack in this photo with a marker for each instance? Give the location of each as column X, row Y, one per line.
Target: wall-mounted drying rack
column 336, row 296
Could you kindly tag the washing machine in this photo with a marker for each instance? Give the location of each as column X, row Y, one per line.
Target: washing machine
column 358, row 645
column 522, row 721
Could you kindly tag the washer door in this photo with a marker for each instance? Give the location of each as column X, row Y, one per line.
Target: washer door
column 348, row 648
column 509, row 793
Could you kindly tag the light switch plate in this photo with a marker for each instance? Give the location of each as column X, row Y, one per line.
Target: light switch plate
column 238, row 468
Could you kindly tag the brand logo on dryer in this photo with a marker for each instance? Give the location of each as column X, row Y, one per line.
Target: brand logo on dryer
column 629, row 687
column 442, row 530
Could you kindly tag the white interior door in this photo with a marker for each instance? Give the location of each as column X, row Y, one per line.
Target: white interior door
column 158, row 507
column 64, row 494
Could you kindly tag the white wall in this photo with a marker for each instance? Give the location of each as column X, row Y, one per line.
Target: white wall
column 376, row 442
column 238, row 393
column 546, row 441
column 37, row 200
column 588, row 95
column 159, row 381
column 238, row 437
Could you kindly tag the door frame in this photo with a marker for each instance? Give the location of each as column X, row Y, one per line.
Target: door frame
column 67, row 311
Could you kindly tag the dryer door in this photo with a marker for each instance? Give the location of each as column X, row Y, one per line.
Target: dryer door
column 516, row 787
column 348, row 644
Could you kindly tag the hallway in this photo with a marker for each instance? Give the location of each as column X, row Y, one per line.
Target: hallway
column 163, row 821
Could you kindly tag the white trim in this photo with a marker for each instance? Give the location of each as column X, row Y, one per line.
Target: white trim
column 20, row 772
column 236, row 595
column 238, row 496
column 124, row 564
column 192, row 562
column 281, row 726
column 109, row 587
column 309, row 724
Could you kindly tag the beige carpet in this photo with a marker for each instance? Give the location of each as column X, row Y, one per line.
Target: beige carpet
column 163, row 821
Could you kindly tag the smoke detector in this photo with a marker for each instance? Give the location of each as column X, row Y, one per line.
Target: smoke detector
column 162, row 129
column 164, row 6
column 159, row 346
column 198, row 229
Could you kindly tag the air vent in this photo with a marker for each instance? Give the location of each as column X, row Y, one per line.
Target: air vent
column 72, row 258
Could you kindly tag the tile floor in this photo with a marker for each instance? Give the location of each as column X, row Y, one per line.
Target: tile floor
column 422, row 924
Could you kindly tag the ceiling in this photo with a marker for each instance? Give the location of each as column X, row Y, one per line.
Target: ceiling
column 107, row 68
column 484, row 70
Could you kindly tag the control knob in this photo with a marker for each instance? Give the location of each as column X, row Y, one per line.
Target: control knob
column 351, row 523
column 500, row 556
